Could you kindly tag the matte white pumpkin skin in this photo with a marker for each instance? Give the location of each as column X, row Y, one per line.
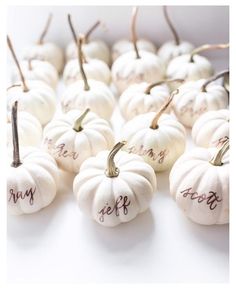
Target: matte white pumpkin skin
column 94, row 69
column 37, row 70
column 95, row 49
column 211, row 129
column 191, row 102
column 134, row 101
column 40, row 100
column 36, row 178
column 47, row 51
column 170, row 50
column 193, row 178
column 160, row 147
column 124, row 45
column 95, row 192
column 127, row 69
column 71, row 148
column 99, row 98
column 29, row 129
column 181, row 67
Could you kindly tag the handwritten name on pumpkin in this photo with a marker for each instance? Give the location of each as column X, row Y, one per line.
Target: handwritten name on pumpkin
column 211, row 199
column 141, row 151
column 189, row 108
column 60, row 151
column 16, row 195
column 121, row 205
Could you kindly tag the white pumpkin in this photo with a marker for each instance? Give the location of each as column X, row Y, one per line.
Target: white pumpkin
column 38, row 99
column 124, row 45
column 226, row 82
column 37, row 70
column 47, row 51
column 31, row 177
column 172, row 49
column 211, row 129
column 128, row 69
column 199, row 183
column 157, row 137
column 193, row 100
column 29, row 129
column 73, row 137
column 142, row 97
column 94, row 69
column 114, row 192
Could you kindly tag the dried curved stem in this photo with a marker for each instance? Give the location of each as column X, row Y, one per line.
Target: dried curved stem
column 72, row 28
column 207, row 47
column 45, row 30
column 112, row 171
column 133, row 31
column 154, row 124
column 90, row 31
column 213, row 78
column 149, row 88
column 81, row 57
column 217, row 159
column 25, row 88
column 171, row 26
column 78, row 123
column 16, row 152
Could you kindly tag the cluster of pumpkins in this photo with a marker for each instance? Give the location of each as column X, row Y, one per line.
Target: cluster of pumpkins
column 161, row 93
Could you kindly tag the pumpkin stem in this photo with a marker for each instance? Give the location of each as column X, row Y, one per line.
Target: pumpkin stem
column 149, row 88
column 112, row 171
column 78, row 123
column 207, row 47
column 213, row 78
column 72, row 28
column 45, row 30
column 16, row 152
column 226, row 82
column 81, row 58
column 30, row 64
column 217, row 159
column 25, row 88
column 133, row 31
column 154, row 124
column 171, row 26
column 90, row 31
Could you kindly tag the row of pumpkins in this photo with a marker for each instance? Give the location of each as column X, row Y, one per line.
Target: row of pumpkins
column 115, row 182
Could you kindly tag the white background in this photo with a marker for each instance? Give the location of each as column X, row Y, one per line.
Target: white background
column 162, row 245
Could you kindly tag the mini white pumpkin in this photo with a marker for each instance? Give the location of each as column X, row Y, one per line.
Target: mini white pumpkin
column 73, row 137
column 211, row 129
column 226, row 82
column 33, row 96
column 93, row 49
column 142, row 97
column 124, row 45
column 37, row 70
column 172, row 49
column 91, row 94
column 113, row 193
column 136, row 66
column 47, row 51
column 31, row 177
column 192, row 66
column 199, row 183
column 29, row 129
column 198, row 97
column 157, row 137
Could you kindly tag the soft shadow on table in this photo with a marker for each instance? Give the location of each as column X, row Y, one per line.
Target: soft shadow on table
column 163, row 183
column 124, row 236
column 22, row 228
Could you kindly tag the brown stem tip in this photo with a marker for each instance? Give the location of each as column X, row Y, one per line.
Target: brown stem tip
column 45, row 30
column 133, row 31
column 16, row 152
column 171, row 26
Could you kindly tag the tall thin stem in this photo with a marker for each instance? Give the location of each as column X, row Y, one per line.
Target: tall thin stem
column 16, row 152
column 150, row 87
column 154, row 124
column 45, row 30
column 72, row 28
column 213, row 78
column 25, row 88
column 90, row 31
column 112, row 171
column 171, row 26
column 133, row 31
column 217, row 159
column 81, row 57
column 207, row 47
